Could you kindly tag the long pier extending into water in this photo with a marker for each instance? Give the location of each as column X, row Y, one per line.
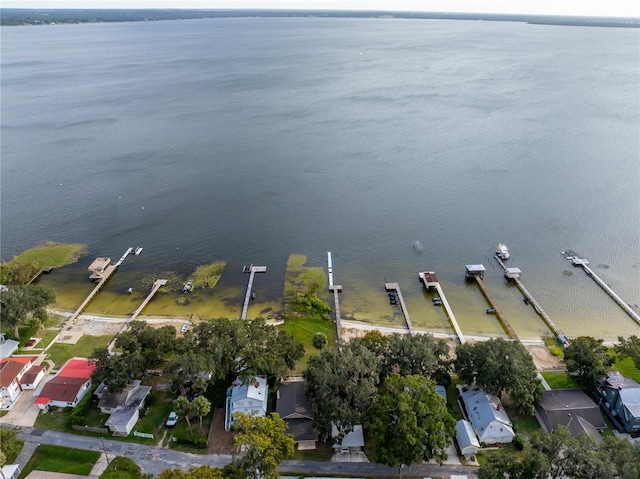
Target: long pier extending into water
column 157, row 284
column 578, row 261
column 252, row 270
column 336, row 289
column 396, row 287
column 103, row 275
column 514, row 275
column 501, row 318
column 431, row 281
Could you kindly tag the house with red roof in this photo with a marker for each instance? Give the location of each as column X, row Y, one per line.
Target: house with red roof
column 69, row 386
column 16, row 374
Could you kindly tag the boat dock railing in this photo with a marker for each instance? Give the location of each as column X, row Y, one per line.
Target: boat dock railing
column 396, row 288
column 536, row 306
column 576, row 260
column 336, row 289
column 252, row 270
column 45, row 270
column 452, row 317
column 498, row 313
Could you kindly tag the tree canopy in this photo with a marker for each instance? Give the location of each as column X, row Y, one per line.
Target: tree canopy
column 587, row 359
column 410, row 421
column 629, row 348
column 342, row 383
column 265, row 443
column 18, row 303
column 500, row 366
column 559, row 455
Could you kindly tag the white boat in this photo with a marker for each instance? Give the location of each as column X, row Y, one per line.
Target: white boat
column 187, row 287
column 138, row 250
column 502, row 252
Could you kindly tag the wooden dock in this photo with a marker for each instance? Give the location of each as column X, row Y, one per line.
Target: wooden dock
column 536, row 306
column 157, row 284
column 109, row 270
column 430, row 280
column 336, row 289
column 452, row 317
column 498, row 313
column 584, row 264
column 104, row 276
column 45, row 270
column 396, row 287
column 252, row 270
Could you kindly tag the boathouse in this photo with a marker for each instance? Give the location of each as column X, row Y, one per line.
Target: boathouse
column 512, row 273
column 474, row 270
column 429, row 279
column 98, row 267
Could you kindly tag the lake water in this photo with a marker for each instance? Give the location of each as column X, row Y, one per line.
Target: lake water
column 251, row 139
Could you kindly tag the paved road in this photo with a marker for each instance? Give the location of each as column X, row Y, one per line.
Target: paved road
column 154, row 459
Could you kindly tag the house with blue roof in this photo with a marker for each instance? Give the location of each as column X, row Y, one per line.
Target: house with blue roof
column 249, row 398
column 487, row 416
column 620, row 400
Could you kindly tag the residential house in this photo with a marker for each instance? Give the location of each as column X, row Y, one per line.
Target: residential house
column 487, row 416
column 466, row 439
column 352, row 442
column 620, row 399
column 68, row 387
column 124, row 407
column 294, row 408
column 571, row 408
column 7, row 346
column 16, row 374
column 248, row 398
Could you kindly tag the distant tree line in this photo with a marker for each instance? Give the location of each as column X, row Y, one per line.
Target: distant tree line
column 23, row 16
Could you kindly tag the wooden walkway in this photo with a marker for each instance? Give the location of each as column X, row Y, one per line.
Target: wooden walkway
column 109, row 270
column 396, row 287
column 536, row 306
column 577, row 261
column 252, row 272
column 45, row 270
column 336, row 289
column 452, row 317
column 157, row 284
column 501, row 319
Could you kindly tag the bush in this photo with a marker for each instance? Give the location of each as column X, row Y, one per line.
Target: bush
column 520, row 441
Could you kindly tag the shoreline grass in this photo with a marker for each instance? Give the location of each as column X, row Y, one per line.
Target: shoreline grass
column 208, row 275
column 50, row 254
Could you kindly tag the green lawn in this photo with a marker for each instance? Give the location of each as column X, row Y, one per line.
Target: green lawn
column 61, row 459
column 626, row 367
column 121, row 468
column 61, row 353
column 303, row 330
column 559, row 380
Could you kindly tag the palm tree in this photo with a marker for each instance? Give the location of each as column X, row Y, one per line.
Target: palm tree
column 200, row 408
column 183, row 408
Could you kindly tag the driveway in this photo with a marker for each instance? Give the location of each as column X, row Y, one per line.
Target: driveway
column 24, row 411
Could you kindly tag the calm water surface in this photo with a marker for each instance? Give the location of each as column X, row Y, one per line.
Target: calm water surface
column 251, row 139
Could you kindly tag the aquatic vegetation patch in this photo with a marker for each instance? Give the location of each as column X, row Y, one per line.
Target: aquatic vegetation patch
column 207, row 276
column 301, row 288
column 22, row 267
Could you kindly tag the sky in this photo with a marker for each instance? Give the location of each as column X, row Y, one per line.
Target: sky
column 609, row 8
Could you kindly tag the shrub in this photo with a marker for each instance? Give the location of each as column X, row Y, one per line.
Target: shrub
column 520, row 441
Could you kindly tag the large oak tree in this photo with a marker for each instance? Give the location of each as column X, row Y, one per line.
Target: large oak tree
column 500, row 366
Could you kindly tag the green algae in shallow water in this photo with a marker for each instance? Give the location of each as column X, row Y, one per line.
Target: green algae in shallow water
column 51, row 254
column 207, row 276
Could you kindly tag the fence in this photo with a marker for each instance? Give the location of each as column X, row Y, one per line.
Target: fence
column 143, row 434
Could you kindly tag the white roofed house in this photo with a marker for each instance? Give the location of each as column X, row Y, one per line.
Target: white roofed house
column 620, row 399
column 466, row 439
column 487, row 416
column 248, row 398
column 124, row 407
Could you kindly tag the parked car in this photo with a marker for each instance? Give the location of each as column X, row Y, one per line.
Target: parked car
column 185, row 326
column 172, row 420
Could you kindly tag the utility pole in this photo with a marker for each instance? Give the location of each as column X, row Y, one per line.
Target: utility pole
column 105, row 453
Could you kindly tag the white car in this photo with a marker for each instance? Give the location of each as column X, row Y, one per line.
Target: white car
column 172, row 420
column 185, row 326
